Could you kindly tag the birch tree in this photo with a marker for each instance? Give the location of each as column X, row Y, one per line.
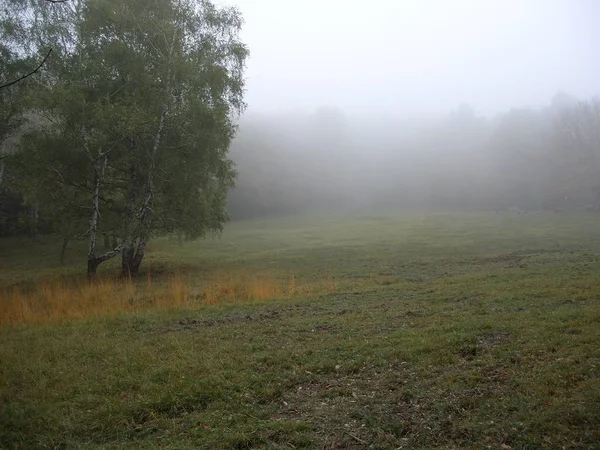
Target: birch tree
column 142, row 99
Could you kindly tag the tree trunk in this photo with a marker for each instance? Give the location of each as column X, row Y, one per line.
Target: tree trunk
column 93, row 260
column 139, row 256
column 34, row 215
column 127, row 256
column 63, row 250
column 132, row 257
column 129, row 241
column 139, row 223
column 92, row 268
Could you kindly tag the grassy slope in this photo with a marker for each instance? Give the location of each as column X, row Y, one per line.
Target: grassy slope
column 447, row 331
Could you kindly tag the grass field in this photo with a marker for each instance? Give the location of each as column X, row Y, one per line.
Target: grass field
column 374, row 331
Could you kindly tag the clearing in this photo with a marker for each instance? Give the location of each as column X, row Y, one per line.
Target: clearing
column 418, row 331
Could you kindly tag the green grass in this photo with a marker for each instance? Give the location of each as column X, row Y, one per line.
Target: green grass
column 446, row 331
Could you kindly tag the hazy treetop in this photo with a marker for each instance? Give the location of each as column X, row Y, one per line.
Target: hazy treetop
column 418, row 57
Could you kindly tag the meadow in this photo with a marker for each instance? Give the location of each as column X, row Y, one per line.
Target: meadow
column 365, row 330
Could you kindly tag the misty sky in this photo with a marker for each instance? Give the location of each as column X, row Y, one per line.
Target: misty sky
column 418, row 56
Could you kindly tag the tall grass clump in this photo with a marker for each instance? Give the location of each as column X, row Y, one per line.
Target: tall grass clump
column 74, row 299
column 66, row 300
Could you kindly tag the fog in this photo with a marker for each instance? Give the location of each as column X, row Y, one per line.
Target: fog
column 429, row 103
column 407, row 57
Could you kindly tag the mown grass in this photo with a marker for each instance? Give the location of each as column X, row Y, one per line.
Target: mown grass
column 418, row 331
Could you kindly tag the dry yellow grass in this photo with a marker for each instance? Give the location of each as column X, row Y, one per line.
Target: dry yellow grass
column 230, row 287
column 60, row 301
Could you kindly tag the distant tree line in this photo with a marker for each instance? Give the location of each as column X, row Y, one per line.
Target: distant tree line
column 123, row 132
column 524, row 159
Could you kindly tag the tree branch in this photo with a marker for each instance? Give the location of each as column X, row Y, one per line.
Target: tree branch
column 110, row 254
column 37, row 68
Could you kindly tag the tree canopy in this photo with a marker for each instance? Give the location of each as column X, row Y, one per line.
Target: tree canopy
column 134, row 115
